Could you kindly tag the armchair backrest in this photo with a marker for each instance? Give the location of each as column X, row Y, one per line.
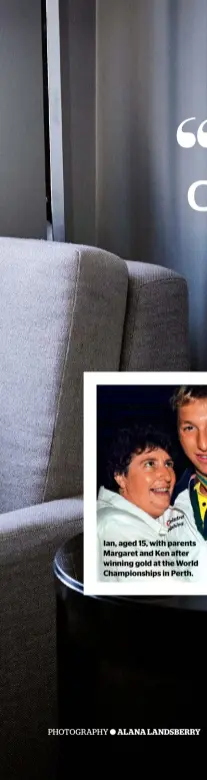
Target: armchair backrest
column 62, row 310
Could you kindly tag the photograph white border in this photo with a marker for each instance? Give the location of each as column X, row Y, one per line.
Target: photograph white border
column 92, row 586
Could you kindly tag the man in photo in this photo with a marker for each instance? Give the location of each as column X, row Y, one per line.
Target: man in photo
column 135, row 506
column 190, row 403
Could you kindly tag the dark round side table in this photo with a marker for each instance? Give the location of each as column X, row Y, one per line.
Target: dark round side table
column 126, row 662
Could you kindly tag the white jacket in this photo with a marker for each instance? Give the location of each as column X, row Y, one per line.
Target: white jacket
column 133, row 544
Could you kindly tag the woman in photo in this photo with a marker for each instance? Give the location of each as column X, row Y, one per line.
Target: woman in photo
column 139, row 532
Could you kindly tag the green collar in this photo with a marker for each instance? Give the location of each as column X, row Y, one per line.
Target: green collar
column 202, row 479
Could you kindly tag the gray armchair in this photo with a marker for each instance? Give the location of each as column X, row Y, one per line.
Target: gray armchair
column 63, row 309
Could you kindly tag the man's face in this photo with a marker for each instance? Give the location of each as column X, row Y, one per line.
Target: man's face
column 149, row 482
column 192, row 430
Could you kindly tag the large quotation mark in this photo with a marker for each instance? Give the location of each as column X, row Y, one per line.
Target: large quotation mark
column 187, row 139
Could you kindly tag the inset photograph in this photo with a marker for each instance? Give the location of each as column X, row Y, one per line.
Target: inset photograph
column 145, row 484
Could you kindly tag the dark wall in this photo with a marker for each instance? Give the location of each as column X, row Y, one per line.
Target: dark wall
column 78, row 72
column 22, row 152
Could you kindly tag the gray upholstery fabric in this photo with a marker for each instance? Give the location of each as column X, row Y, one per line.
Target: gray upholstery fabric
column 62, row 312
column 29, row 539
column 57, row 303
column 156, row 324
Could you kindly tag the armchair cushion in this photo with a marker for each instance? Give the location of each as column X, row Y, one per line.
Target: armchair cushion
column 156, row 335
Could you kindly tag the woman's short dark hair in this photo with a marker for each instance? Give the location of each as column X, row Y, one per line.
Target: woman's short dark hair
column 132, row 441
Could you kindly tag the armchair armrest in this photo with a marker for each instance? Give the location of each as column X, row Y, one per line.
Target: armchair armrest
column 29, row 540
column 28, row 529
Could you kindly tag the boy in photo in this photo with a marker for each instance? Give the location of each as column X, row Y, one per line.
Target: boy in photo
column 190, row 403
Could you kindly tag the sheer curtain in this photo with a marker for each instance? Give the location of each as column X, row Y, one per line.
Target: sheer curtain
column 132, row 71
column 151, row 74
